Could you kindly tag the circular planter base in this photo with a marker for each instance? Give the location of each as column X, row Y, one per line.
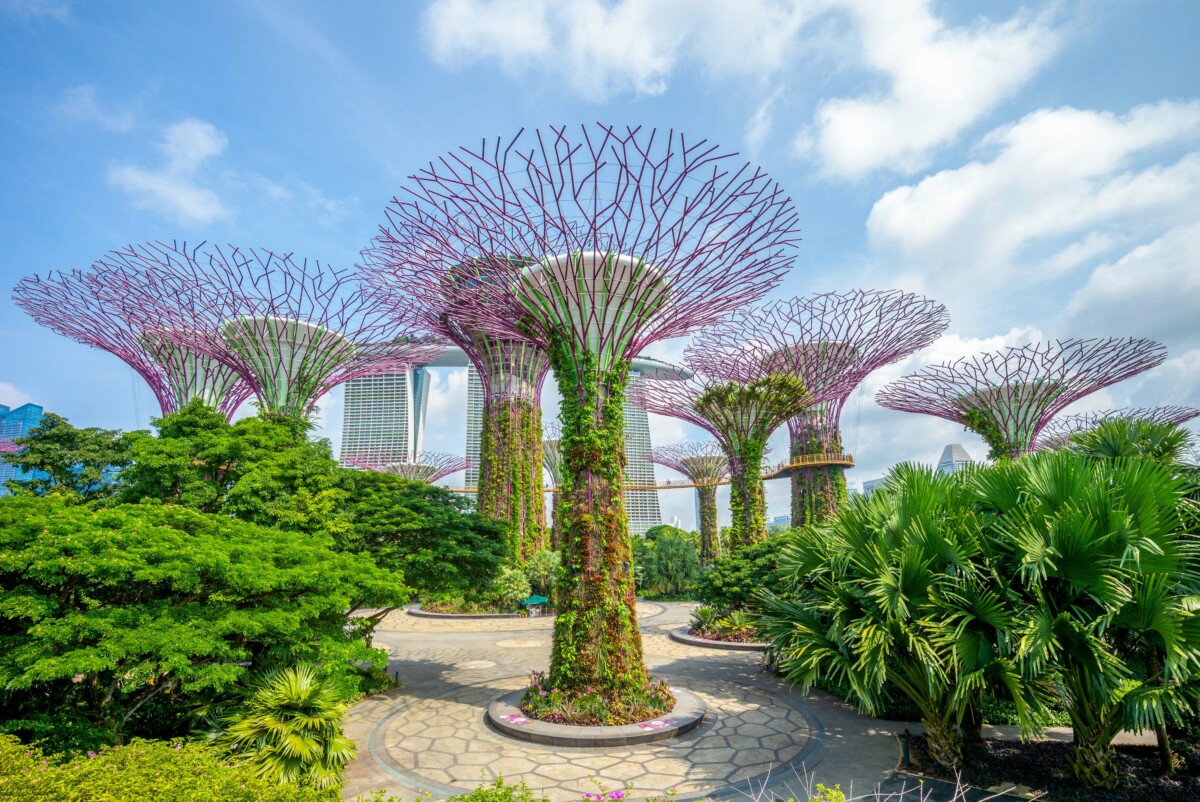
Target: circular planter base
column 415, row 610
column 682, row 635
column 505, row 715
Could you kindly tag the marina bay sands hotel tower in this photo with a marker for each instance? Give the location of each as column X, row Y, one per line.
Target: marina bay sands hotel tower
column 388, row 412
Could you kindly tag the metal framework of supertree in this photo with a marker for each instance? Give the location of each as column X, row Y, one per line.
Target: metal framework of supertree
column 291, row 329
column 1058, row 432
column 95, row 307
column 740, row 409
column 9, row 447
column 512, row 372
column 831, row 341
column 597, row 241
column 426, row 466
column 1007, row 397
column 706, row 465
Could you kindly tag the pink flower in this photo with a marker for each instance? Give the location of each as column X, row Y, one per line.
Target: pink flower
column 616, row 794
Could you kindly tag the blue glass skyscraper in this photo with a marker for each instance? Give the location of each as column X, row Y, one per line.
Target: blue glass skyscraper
column 16, row 423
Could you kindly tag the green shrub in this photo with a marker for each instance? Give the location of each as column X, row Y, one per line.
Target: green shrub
column 670, row 565
column 499, row 791
column 143, row 771
column 542, row 569
column 734, row 579
column 511, row 588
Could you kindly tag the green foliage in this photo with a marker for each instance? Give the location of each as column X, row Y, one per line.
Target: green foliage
column 733, row 580
column 984, row 424
column 542, row 568
column 287, row 724
column 511, row 587
column 510, row 478
column 653, row 533
column 498, row 791
column 595, row 707
column 826, row 794
column 104, row 610
column 1111, row 439
column 670, row 564
column 424, row 532
column 79, row 463
column 142, row 771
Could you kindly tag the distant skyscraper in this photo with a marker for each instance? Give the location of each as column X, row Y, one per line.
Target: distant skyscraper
column 385, row 415
column 15, row 423
column 954, row 458
column 640, row 505
column 474, row 425
column 870, row 484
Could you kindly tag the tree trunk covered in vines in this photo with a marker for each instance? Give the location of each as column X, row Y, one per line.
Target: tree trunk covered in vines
column 596, row 638
column 747, row 500
column 555, row 521
column 817, row 492
column 510, row 473
column 710, row 533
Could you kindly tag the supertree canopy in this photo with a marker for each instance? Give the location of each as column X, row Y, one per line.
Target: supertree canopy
column 740, row 411
column 291, row 329
column 427, row 466
column 97, row 307
column 1058, row 432
column 706, row 466
column 512, row 372
column 597, row 241
column 831, row 341
column 1007, row 397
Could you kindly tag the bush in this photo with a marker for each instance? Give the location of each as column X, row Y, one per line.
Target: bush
column 594, row 708
column 143, row 771
column 511, row 587
column 542, row 570
column 734, row 579
column 670, row 565
column 498, row 791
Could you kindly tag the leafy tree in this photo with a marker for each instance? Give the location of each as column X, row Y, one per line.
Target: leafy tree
column 102, row 611
column 542, row 568
column 670, row 565
column 898, row 590
column 654, row 532
column 79, row 464
column 734, row 579
column 511, row 587
column 426, row 532
column 288, row 725
column 1099, row 553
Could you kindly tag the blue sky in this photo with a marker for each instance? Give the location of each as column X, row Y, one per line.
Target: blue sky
column 1034, row 166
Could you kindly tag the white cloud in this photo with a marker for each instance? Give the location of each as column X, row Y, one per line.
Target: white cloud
column 761, row 123
column 940, row 80
column 83, row 103
column 12, row 396
column 58, row 10
column 1153, row 290
column 1047, row 196
column 601, row 48
column 175, row 188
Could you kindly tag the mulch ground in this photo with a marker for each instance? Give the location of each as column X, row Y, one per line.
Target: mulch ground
column 1043, row 766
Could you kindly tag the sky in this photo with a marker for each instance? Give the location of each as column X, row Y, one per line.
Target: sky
column 1033, row 166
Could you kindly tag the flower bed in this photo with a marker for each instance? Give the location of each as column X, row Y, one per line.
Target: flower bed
column 592, row 708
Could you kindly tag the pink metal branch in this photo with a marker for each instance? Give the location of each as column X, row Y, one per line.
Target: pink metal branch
column 703, row 463
column 427, row 466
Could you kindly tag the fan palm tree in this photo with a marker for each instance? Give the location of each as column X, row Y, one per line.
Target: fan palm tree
column 1098, row 553
column 289, row 727
column 897, row 590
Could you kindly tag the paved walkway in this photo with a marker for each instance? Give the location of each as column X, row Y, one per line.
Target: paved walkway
column 429, row 735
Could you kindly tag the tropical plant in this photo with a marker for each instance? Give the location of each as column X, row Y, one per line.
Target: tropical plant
column 106, row 611
column 705, row 618
column 1099, row 553
column 75, row 464
column 541, row 568
column 288, row 725
column 511, row 587
column 671, row 565
column 897, row 591
column 733, row 580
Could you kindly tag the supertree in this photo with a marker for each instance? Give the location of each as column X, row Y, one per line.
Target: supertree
column 427, row 466
column 740, row 409
column 1007, row 397
column 291, row 329
column 706, row 466
column 1058, row 432
column 511, row 372
column 831, row 342
column 552, row 461
column 97, row 307
column 598, row 242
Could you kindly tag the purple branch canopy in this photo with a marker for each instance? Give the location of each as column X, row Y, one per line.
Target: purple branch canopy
column 96, row 307
column 292, row 329
column 1008, row 396
column 702, row 462
column 1058, row 432
column 591, row 242
column 426, row 466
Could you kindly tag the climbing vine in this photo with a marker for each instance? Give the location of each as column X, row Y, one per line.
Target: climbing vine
column 510, row 477
column 819, row 490
column 596, row 640
column 710, row 534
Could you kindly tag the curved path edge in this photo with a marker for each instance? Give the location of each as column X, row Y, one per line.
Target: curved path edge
column 682, row 635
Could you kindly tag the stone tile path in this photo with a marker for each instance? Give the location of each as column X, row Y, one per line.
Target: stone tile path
column 429, row 735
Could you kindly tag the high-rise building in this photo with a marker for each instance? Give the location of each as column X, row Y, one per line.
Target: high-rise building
column 954, row 458
column 640, row 505
column 474, row 426
column 15, row 423
column 384, row 415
